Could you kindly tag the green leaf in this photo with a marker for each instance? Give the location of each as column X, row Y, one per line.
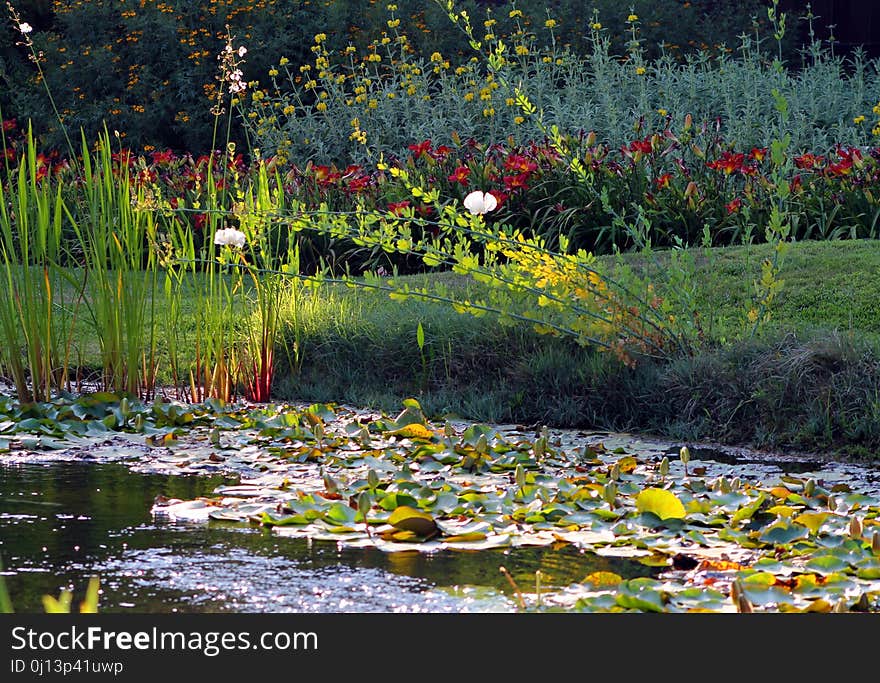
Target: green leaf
column 340, row 514
column 812, row 520
column 661, row 502
column 827, row 564
column 747, row 511
column 410, row 519
column 782, row 533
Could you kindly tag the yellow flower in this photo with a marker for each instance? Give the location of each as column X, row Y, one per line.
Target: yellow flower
column 596, row 26
column 273, row 72
column 320, row 38
column 468, row 96
column 550, row 23
column 283, row 61
column 518, row 120
column 393, row 23
column 859, row 119
column 632, row 17
column 321, row 106
column 522, row 50
column 662, row 112
column 436, row 57
column 515, row 13
column 640, row 71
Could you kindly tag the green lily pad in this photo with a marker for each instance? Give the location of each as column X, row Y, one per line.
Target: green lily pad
column 660, row 502
column 409, row 519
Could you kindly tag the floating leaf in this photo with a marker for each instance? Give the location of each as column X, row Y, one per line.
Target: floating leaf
column 627, row 464
column 414, row 430
column 783, row 533
column 827, row 564
column 416, row 521
column 660, row 502
column 602, row 579
column 812, row 520
column 785, row 511
column 340, row 514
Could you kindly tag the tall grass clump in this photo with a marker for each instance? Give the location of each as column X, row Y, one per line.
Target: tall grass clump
column 116, row 239
column 40, row 299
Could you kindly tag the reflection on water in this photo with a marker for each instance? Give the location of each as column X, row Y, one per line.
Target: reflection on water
column 62, row 522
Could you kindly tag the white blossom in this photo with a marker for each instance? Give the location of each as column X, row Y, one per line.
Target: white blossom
column 229, row 236
column 478, row 202
column 25, row 28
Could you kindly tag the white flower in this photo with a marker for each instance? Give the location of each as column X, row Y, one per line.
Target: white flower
column 25, row 28
column 230, row 236
column 242, row 51
column 478, row 202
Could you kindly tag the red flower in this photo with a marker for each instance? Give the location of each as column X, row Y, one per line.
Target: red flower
column 123, row 156
column 162, row 158
column 398, row 208
column 728, row 162
column 358, row 183
column 500, row 197
column 639, row 147
column 841, row 167
column 663, row 181
column 9, row 125
column 520, row 181
column 9, row 154
column 460, row 176
column 420, row 149
column 200, row 220
column 758, row 153
column 517, row 162
column 147, row 175
column 440, row 153
column 325, row 175
column 808, row 161
column 734, row 206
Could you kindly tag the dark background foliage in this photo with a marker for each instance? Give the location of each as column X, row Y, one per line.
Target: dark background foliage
column 148, row 68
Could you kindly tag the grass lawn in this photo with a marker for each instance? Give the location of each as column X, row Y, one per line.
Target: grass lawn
column 807, row 381
column 810, row 380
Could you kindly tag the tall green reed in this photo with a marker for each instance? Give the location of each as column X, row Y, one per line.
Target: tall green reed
column 116, row 235
column 39, row 307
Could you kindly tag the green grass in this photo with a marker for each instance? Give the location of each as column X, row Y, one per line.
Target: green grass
column 808, row 381
column 805, row 382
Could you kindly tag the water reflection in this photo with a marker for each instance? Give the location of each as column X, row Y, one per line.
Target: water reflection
column 62, row 522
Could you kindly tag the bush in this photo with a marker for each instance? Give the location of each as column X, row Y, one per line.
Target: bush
column 101, row 62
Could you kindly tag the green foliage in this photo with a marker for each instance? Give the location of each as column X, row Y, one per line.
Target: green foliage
column 99, row 61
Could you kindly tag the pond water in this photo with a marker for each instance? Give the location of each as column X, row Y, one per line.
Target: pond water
column 64, row 521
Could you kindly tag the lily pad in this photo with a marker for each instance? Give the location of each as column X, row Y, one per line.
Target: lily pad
column 660, row 502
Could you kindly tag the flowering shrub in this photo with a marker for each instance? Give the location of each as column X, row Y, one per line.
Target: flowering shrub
column 591, row 71
column 689, row 184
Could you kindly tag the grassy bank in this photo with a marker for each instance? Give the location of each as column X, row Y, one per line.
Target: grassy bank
column 808, row 381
